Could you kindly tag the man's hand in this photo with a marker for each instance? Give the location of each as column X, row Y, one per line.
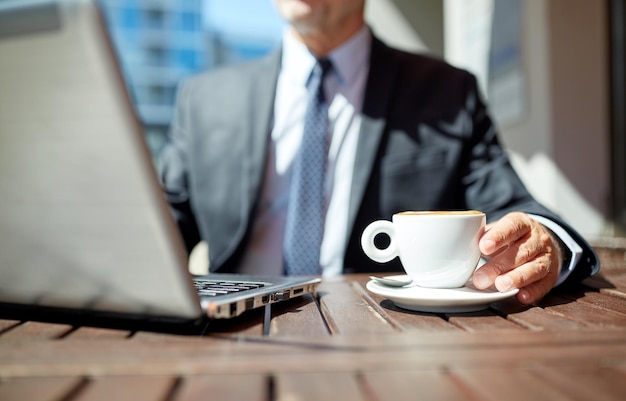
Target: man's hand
column 523, row 254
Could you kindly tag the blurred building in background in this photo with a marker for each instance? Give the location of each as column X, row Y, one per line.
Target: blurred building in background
column 159, row 42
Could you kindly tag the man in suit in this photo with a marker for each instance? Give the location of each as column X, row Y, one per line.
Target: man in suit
column 406, row 132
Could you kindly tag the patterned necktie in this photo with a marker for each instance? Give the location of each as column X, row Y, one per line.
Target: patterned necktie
column 305, row 215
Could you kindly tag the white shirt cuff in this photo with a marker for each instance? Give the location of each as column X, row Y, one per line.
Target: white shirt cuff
column 572, row 246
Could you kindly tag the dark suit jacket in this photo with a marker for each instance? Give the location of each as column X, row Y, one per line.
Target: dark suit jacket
column 426, row 143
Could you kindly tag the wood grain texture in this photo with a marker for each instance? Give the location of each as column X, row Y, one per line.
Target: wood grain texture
column 38, row 388
column 223, row 387
column 347, row 344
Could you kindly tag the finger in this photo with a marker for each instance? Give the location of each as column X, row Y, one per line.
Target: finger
column 504, row 232
column 486, row 275
column 517, row 254
column 534, row 292
column 526, row 249
column 523, row 276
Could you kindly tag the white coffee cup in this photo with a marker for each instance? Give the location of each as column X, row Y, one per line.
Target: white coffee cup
column 437, row 249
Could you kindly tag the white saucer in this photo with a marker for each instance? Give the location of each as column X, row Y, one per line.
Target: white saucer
column 439, row 300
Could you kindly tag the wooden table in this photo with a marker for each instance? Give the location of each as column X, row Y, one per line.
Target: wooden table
column 346, row 344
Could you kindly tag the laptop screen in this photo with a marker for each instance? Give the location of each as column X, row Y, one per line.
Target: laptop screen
column 83, row 224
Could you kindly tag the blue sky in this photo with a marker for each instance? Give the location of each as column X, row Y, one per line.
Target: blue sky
column 249, row 18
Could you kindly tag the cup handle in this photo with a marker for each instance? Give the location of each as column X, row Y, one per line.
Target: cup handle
column 370, row 249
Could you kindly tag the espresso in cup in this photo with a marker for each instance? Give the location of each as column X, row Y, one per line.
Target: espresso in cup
column 437, row 249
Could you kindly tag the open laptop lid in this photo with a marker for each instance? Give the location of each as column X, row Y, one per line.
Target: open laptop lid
column 83, row 222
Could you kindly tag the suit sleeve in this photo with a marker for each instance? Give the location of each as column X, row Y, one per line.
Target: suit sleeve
column 174, row 171
column 493, row 186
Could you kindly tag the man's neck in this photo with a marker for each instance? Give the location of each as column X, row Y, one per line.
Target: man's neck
column 322, row 43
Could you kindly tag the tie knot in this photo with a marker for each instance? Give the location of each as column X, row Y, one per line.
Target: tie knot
column 321, row 69
column 317, row 77
column 323, row 65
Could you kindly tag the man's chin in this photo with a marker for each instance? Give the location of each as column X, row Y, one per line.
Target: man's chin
column 297, row 12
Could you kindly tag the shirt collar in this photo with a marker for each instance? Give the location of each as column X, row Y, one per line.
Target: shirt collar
column 297, row 61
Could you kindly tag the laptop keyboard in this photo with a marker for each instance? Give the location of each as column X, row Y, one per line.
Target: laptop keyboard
column 212, row 288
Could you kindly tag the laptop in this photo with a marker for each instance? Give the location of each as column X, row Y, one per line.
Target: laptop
column 84, row 225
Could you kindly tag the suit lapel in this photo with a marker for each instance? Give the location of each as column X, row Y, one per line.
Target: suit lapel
column 241, row 150
column 261, row 112
column 378, row 92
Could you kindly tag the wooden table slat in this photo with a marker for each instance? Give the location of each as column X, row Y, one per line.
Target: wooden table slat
column 407, row 385
column 483, row 321
column 224, row 387
column 318, row 386
column 493, row 384
column 603, row 300
column 38, row 388
column 605, row 383
column 346, row 312
column 95, row 333
column 583, row 312
column 8, row 325
column 145, row 388
column 610, row 279
column 534, row 318
column 37, row 331
column 402, row 319
column 301, row 317
column 410, row 351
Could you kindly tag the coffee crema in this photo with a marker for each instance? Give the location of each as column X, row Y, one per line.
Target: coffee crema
column 440, row 212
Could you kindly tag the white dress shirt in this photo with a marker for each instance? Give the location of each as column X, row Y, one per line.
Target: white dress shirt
column 344, row 91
